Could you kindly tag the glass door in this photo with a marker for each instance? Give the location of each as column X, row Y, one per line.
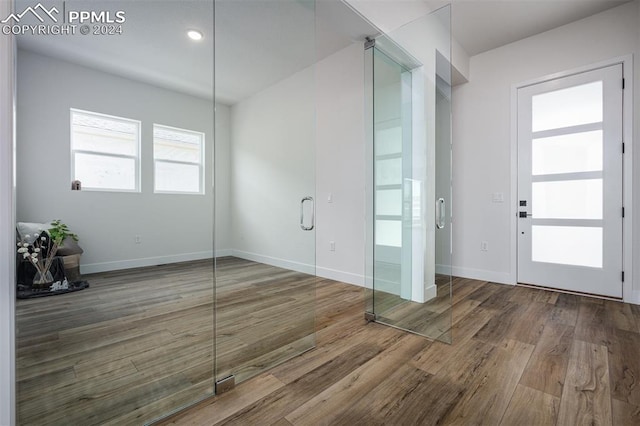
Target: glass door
column 265, row 186
column 125, row 132
column 408, row 263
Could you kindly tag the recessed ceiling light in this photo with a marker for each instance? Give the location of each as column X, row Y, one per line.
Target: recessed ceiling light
column 194, row 35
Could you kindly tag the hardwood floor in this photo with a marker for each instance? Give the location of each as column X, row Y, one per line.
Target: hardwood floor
column 431, row 319
column 265, row 315
column 139, row 344
column 132, row 346
column 520, row 356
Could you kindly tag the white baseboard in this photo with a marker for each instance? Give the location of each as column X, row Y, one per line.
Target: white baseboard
column 345, row 277
column 93, row 268
column 633, row 297
column 224, row 252
column 443, row 269
column 333, row 274
column 275, row 261
column 482, row 274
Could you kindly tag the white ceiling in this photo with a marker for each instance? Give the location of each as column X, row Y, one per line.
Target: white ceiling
column 255, row 46
column 261, row 42
column 481, row 25
column 153, row 46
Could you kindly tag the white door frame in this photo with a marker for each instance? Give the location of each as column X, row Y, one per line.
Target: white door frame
column 7, row 223
column 628, row 294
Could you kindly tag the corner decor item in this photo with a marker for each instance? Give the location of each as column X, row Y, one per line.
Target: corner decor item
column 40, row 250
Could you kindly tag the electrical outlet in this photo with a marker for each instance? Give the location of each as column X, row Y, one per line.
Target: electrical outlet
column 332, row 246
column 137, row 239
column 484, row 246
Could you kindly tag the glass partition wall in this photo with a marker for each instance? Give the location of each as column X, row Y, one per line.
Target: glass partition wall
column 265, row 145
column 408, row 182
column 114, row 108
column 115, row 137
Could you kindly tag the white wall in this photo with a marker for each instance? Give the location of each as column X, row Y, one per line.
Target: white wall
column 274, row 157
column 482, row 138
column 272, row 169
column 172, row 227
column 7, row 228
column 340, row 157
column 222, row 181
column 266, row 153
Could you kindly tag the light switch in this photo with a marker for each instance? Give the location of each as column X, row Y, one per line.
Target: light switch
column 497, row 197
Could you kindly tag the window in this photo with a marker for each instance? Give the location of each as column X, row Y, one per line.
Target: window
column 178, row 157
column 105, row 152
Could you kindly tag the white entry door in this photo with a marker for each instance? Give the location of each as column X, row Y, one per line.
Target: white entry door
column 570, row 211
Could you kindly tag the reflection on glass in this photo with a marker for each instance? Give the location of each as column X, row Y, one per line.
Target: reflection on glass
column 567, row 245
column 571, row 153
column 389, row 233
column 138, row 342
column 408, row 262
column 569, row 199
column 388, row 140
column 389, row 202
column 265, row 280
column 389, row 172
column 567, row 107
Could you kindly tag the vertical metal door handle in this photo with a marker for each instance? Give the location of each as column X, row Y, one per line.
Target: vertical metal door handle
column 440, row 213
column 313, row 218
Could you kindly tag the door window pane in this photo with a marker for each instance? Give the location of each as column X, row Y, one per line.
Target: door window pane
column 389, row 172
column 389, row 233
column 388, row 141
column 567, row 245
column 567, row 107
column 389, row 202
column 570, row 199
column 572, row 153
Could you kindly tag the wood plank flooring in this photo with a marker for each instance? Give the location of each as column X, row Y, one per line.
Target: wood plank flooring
column 120, row 353
column 520, row 356
column 139, row 344
column 431, row 319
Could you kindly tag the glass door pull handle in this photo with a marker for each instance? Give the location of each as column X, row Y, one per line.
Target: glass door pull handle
column 313, row 219
column 440, row 213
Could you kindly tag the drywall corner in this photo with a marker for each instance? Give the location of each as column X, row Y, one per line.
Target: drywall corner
column 459, row 63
